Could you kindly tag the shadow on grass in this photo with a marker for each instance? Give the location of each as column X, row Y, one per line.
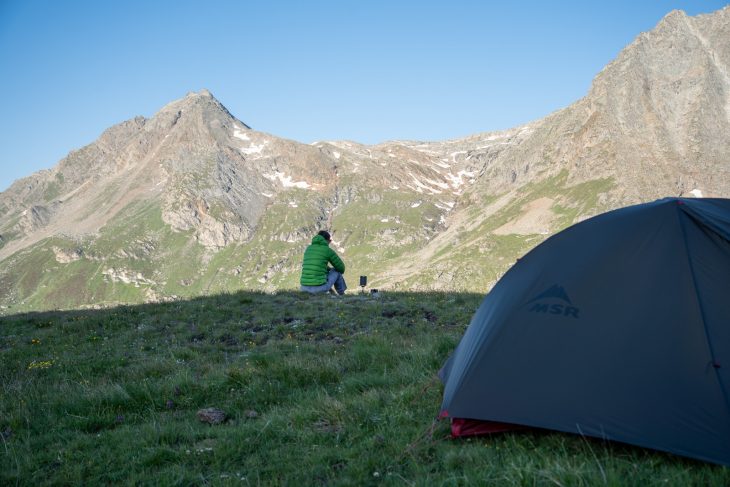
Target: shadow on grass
column 253, row 309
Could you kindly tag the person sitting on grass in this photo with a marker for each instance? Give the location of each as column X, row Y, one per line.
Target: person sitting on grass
column 317, row 276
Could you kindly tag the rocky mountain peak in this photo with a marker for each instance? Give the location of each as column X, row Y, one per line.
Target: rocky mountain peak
column 197, row 107
column 203, row 92
column 192, row 200
column 671, row 18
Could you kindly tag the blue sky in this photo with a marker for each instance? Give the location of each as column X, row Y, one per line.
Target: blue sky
column 315, row 70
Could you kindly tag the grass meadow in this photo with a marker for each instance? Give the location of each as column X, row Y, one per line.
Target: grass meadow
column 317, row 391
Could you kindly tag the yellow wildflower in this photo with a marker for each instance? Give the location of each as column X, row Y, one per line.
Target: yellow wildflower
column 40, row 365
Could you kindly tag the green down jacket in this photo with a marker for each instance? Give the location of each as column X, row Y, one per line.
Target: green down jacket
column 314, row 264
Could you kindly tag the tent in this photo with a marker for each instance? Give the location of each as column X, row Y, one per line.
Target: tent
column 617, row 328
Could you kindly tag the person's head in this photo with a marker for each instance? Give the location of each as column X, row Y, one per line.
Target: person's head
column 326, row 235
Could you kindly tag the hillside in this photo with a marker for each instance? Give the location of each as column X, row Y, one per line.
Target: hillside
column 316, row 391
column 194, row 201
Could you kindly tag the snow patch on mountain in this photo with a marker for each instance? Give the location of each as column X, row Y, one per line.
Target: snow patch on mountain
column 439, row 164
column 421, row 187
column 454, row 154
column 253, row 149
column 457, row 180
column 239, row 133
column 286, row 181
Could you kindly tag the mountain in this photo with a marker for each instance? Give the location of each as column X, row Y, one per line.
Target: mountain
column 194, row 201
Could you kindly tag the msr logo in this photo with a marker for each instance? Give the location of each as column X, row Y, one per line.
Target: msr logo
column 554, row 301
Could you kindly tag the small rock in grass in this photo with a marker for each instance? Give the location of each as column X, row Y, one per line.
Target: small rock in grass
column 211, row 415
column 169, row 404
column 252, row 414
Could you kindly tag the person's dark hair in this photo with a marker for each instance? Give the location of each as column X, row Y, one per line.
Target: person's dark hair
column 325, row 234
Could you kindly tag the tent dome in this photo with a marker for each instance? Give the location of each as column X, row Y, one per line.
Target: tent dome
column 617, row 327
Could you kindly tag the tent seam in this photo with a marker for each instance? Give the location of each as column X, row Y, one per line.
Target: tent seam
column 681, row 210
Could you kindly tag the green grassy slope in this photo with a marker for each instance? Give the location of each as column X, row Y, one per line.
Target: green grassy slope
column 476, row 257
column 137, row 258
column 317, row 391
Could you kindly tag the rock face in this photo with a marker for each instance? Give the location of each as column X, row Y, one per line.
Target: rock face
column 193, row 200
column 126, row 276
column 64, row 256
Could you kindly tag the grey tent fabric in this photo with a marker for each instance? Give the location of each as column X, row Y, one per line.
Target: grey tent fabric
column 617, row 327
